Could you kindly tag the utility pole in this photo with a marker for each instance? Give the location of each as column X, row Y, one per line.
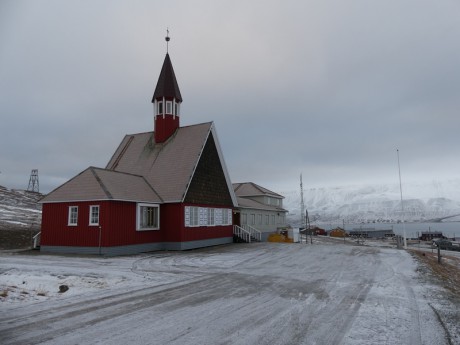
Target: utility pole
column 307, row 228
column 402, row 205
column 302, row 206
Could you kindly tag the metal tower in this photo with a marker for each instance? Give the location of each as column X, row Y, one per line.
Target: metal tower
column 33, row 182
column 302, row 205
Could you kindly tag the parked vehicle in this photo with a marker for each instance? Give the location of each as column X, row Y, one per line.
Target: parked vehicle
column 443, row 244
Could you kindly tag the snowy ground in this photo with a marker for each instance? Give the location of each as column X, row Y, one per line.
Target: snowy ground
column 261, row 293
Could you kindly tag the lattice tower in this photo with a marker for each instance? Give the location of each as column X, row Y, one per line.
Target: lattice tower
column 33, row 182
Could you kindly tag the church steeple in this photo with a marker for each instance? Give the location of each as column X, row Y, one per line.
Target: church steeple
column 166, row 101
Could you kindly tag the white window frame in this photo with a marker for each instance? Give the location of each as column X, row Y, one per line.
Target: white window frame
column 72, row 219
column 203, row 216
column 259, row 219
column 229, row 216
column 244, row 219
column 91, row 208
column 139, row 209
column 267, row 219
column 160, row 108
column 192, row 215
column 211, row 217
column 195, row 216
column 253, row 219
column 169, row 109
column 224, row 216
column 218, row 212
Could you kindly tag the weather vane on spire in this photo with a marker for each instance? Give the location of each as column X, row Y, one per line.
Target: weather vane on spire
column 167, row 39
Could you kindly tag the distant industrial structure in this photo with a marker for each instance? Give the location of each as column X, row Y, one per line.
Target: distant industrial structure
column 33, row 182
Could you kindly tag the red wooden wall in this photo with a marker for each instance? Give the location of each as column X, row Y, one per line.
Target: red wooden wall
column 165, row 127
column 117, row 221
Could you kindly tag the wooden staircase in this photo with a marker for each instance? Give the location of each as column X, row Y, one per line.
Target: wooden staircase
column 246, row 234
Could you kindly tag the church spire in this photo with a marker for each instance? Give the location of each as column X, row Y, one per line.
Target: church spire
column 166, row 100
column 167, row 84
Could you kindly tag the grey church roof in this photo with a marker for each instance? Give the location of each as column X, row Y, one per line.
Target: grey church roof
column 142, row 170
column 102, row 184
column 168, row 166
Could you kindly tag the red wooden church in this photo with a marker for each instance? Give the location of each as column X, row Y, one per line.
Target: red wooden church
column 167, row 189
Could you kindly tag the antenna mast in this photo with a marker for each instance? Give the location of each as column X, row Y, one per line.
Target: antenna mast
column 302, row 205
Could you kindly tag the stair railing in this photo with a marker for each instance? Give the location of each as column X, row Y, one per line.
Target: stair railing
column 242, row 233
column 36, row 239
column 256, row 234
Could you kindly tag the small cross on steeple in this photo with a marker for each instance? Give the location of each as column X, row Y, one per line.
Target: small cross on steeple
column 167, row 39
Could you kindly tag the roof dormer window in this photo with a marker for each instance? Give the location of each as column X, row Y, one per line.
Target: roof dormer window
column 160, row 108
column 168, row 107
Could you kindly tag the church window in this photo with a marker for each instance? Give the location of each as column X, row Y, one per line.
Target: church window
column 73, row 216
column 148, row 217
column 94, row 215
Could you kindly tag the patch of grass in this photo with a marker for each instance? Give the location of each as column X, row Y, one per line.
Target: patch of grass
column 448, row 274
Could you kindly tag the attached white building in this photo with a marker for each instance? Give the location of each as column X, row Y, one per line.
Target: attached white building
column 259, row 208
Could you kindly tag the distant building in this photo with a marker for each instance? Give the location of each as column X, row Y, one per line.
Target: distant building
column 371, row 233
column 337, row 232
column 430, row 235
column 259, row 208
column 318, row 231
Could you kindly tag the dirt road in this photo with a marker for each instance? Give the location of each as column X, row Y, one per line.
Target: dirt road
column 327, row 293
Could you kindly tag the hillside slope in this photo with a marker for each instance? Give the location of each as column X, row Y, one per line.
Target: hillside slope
column 19, row 209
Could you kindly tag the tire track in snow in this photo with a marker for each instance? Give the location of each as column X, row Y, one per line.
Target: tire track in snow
column 88, row 312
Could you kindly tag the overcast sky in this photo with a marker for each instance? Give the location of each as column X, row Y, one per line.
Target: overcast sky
column 327, row 88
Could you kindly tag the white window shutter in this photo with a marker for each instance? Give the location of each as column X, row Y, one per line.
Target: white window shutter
column 187, row 215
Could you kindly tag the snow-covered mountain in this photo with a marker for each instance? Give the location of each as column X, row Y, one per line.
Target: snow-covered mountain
column 352, row 204
column 376, row 203
column 19, row 209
